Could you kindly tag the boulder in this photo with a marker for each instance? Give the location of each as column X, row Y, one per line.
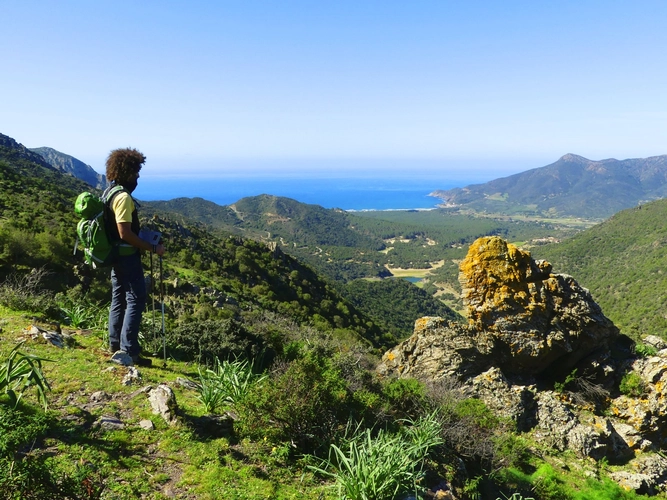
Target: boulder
column 522, row 319
column 533, row 321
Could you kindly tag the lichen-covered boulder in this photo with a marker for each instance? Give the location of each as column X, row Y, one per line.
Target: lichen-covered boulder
column 535, row 321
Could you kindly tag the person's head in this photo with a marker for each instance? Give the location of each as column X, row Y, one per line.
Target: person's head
column 123, row 167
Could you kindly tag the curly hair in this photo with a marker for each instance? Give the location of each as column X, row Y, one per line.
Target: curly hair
column 123, row 164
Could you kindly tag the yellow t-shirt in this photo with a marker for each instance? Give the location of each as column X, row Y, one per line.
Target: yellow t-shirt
column 122, row 207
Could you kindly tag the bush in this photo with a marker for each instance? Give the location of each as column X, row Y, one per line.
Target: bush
column 405, row 397
column 25, row 292
column 209, row 340
column 471, row 429
column 305, row 403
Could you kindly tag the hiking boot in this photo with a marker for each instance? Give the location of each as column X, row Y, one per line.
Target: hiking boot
column 121, row 358
column 141, row 361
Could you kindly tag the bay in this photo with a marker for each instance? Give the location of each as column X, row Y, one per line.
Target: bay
column 347, row 193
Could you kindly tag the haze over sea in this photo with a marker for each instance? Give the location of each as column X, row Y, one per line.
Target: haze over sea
column 347, row 193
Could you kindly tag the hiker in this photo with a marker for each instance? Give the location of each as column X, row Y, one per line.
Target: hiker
column 128, row 288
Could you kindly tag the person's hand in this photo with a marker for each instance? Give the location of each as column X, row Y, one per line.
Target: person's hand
column 159, row 249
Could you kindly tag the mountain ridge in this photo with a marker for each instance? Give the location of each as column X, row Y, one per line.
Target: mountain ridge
column 573, row 186
column 73, row 166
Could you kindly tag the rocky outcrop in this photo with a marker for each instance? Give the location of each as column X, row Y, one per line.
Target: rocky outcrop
column 533, row 321
column 539, row 351
column 522, row 318
column 19, row 151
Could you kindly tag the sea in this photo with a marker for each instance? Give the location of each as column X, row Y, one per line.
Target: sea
column 346, row 193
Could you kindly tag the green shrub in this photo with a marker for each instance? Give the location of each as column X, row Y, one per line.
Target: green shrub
column 405, row 397
column 305, row 402
column 475, row 411
column 472, row 430
column 209, row 340
column 510, row 450
column 645, row 350
column 632, row 385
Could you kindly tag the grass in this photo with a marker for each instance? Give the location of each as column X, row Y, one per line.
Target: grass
column 179, row 461
column 135, row 463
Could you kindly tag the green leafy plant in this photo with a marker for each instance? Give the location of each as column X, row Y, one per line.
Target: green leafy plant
column 21, row 371
column 380, row 467
column 226, row 384
column 645, row 350
column 305, row 402
column 560, row 386
column 515, row 496
column 632, row 385
column 80, row 314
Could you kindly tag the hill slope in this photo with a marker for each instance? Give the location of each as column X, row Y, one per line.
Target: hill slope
column 70, row 165
column 623, row 261
column 572, row 186
column 37, row 230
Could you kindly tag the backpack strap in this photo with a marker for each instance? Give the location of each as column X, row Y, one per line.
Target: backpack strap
column 110, row 219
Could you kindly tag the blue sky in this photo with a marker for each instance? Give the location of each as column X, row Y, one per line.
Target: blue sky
column 209, row 86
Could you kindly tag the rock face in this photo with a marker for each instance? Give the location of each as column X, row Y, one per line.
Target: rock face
column 522, row 319
column 70, row 165
column 532, row 321
column 528, row 328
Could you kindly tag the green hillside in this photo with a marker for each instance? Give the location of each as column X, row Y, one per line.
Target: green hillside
column 346, row 246
column 623, row 261
column 37, row 232
column 396, row 304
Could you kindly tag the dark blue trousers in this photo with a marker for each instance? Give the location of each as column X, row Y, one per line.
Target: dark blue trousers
column 128, row 299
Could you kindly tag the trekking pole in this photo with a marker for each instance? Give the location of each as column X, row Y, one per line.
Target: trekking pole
column 164, row 337
column 153, row 298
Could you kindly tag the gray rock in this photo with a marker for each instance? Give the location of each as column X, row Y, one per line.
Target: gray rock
column 147, row 425
column 99, row 396
column 109, row 423
column 187, row 384
column 132, row 376
column 163, row 402
column 516, row 402
column 655, row 341
column 648, row 475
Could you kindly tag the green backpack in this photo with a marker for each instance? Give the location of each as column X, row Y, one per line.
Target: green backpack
column 98, row 249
